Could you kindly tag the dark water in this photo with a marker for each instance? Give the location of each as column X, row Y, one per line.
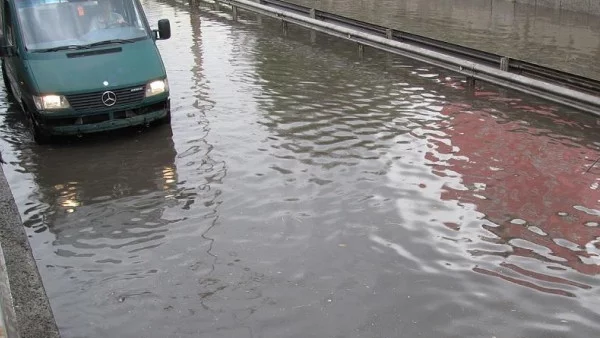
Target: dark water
column 301, row 192
column 554, row 38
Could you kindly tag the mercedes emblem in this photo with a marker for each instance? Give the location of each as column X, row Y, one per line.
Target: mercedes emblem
column 109, row 98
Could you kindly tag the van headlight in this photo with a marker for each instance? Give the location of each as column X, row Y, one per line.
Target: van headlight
column 157, row 87
column 49, row 102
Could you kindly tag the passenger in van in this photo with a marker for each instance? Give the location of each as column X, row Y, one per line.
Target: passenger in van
column 106, row 18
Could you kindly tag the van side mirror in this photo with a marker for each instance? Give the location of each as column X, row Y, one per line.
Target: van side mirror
column 164, row 29
column 6, row 51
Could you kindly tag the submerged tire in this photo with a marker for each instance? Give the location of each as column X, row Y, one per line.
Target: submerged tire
column 5, row 80
column 39, row 135
column 166, row 119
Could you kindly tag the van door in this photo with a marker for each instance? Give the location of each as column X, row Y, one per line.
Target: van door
column 11, row 62
column 3, row 43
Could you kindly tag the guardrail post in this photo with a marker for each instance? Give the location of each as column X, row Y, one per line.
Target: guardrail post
column 504, row 63
column 217, row 5
column 259, row 16
column 389, row 33
column 470, row 83
column 235, row 12
column 284, row 27
column 313, row 34
column 361, row 50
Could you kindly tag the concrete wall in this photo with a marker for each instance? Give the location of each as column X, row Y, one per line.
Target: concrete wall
column 560, row 39
column 583, row 6
column 24, row 306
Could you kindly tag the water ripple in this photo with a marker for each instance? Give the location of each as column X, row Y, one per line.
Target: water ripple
column 299, row 189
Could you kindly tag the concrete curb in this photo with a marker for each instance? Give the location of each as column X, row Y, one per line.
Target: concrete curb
column 7, row 318
column 25, row 308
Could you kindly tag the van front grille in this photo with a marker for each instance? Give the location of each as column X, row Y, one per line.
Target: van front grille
column 93, row 101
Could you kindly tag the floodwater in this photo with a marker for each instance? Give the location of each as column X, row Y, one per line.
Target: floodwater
column 555, row 38
column 302, row 192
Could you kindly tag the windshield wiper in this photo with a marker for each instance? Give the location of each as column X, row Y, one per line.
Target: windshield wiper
column 88, row 46
column 56, row 49
column 110, row 42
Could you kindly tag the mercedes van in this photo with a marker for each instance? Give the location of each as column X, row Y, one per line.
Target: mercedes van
column 83, row 66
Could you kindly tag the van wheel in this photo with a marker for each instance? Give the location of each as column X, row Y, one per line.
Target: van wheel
column 5, row 79
column 39, row 136
column 166, row 119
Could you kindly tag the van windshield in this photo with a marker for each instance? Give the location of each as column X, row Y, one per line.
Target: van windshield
column 49, row 25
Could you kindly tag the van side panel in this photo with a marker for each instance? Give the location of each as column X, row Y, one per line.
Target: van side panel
column 21, row 85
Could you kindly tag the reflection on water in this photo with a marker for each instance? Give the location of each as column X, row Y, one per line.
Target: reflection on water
column 529, row 181
column 302, row 192
column 559, row 39
column 122, row 170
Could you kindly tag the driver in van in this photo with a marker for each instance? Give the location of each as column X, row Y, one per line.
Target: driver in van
column 106, row 18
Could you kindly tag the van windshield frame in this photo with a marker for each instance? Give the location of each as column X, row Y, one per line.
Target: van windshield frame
column 52, row 25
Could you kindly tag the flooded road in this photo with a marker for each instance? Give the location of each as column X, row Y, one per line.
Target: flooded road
column 301, row 192
column 553, row 38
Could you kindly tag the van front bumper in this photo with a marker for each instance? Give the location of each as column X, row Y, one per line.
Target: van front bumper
column 110, row 121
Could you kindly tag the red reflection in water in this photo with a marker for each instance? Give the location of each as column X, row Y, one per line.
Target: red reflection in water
column 516, row 172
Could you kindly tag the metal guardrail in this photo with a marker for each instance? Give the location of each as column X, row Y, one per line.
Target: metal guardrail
column 568, row 89
column 514, row 65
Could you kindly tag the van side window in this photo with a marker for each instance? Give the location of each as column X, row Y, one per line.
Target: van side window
column 10, row 39
column 2, row 22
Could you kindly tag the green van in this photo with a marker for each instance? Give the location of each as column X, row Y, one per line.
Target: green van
column 83, row 66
